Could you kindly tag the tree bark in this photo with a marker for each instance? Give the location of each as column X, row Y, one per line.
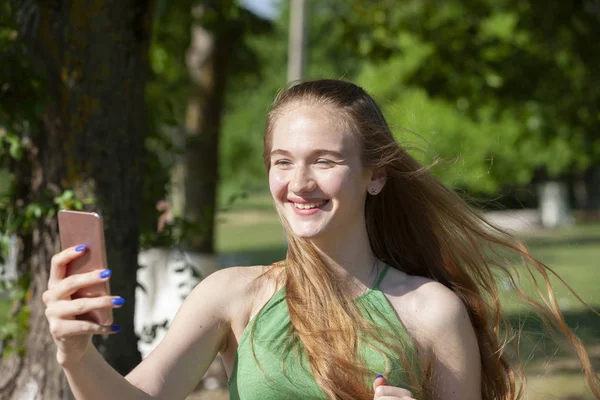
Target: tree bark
column 592, row 189
column 36, row 375
column 91, row 141
column 207, row 62
column 197, row 175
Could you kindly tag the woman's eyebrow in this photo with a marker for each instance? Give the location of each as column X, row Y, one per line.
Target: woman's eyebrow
column 318, row 152
column 279, row 152
column 335, row 154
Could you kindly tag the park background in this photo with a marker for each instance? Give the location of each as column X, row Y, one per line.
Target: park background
column 152, row 114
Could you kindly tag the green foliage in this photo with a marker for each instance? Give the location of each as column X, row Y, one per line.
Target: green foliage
column 19, row 107
column 4, row 310
column 524, row 69
column 166, row 99
column 67, row 200
column 463, row 151
column 250, row 94
column 168, row 95
column 13, row 331
column 500, row 89
column 21, row 99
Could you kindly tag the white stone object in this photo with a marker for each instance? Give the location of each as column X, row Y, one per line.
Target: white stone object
column 167, row 279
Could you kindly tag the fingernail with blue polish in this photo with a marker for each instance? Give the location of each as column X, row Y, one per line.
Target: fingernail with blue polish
column 379, row 376
column 118, row 301
column 105, row 274
column 80, row 248
column 115, row 328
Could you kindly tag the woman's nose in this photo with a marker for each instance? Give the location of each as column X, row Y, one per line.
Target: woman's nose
column 303, row 181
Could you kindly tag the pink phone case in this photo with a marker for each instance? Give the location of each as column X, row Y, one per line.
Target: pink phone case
column 77, row 228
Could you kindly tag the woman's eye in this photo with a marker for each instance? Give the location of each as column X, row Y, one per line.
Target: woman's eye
column 282, row 163
column 325, row 163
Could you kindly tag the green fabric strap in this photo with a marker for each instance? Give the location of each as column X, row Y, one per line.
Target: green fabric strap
column 282, row 373
column 380, row 277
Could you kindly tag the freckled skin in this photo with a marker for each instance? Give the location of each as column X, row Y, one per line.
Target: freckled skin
column 304, row 172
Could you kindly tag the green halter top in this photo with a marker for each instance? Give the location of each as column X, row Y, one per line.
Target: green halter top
column 281, row 375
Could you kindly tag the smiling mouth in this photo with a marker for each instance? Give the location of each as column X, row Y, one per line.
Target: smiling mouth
column 308, row 206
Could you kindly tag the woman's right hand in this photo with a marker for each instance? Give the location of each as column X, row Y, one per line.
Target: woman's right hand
column 71, row 335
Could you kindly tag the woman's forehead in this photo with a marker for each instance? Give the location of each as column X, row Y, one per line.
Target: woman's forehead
column 304, row 126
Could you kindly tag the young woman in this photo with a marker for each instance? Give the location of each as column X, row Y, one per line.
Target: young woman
column 387, row 272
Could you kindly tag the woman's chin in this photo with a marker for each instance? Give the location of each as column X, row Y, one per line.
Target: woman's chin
column 307, row 234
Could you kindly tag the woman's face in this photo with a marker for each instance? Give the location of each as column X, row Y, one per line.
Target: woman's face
column 316, row 177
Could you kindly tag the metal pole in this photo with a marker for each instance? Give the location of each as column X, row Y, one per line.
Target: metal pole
column 297, row 40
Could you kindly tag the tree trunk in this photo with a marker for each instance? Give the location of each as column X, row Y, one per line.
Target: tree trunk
column 197, row 174
column 92, row 142
column 207, row 62
column 592, row 189
column 36, row 375
column 554, row 204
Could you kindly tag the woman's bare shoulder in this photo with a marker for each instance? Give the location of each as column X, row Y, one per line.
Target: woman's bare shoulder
column 238, row 288
column 426, row 307
column 235, row 280
column 441, row 327
column 239, row 275
column 424, row 296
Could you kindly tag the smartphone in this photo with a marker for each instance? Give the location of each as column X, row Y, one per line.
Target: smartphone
column 76, row 228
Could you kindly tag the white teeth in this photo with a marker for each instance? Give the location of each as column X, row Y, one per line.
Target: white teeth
column 307, row 206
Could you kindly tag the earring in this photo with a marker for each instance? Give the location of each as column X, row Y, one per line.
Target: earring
column 373, row 191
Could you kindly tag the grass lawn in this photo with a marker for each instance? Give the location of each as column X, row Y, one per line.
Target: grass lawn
column 250, row 233
column 553, row 369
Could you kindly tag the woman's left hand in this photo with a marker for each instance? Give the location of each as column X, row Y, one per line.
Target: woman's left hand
column 385, row 392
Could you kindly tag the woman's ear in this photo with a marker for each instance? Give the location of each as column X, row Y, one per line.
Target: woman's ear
column 378, row 179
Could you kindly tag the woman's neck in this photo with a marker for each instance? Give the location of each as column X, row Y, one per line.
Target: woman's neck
column 351, row 256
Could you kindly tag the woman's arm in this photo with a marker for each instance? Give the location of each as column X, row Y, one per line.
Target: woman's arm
column 93, row 378
column 173, row 369
column 446, row 330
column 194, row 338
